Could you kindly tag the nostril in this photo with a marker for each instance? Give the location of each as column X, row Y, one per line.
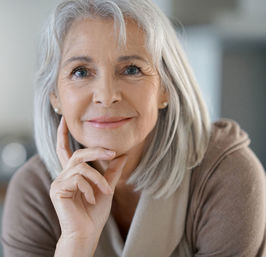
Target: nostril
column 106, row 103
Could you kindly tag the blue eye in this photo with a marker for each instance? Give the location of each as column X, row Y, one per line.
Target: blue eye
column 132, row 70
column 80, row 72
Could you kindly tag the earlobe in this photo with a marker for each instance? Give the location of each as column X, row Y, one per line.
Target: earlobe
column 163, row 100
column 163, row 105
column 55, row 102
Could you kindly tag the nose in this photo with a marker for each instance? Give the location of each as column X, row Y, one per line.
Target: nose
column 106, row 91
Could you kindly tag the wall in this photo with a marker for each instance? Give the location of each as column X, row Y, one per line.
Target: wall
column 20, row 25
column 244, row 90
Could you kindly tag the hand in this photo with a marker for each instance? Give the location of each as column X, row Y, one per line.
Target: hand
column 81, row 196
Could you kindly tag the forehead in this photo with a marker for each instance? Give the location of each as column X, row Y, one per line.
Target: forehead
column 99, row 34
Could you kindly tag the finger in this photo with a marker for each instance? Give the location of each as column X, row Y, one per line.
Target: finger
column 69, row 187
column 114, row 171
column 89, row 154
column 86, row 189
column 90, row 174
column 62, row 148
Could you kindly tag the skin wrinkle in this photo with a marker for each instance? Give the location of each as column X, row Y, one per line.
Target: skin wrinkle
column 107, row 90
column 90, row 60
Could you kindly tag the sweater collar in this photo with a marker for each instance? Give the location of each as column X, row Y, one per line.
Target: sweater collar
column 157, row 226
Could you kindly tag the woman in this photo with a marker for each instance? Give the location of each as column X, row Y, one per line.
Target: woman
column 129, row 164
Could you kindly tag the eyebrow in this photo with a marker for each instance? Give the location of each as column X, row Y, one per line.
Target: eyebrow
column 131, row 57
column 78, row 58
column 90, row 60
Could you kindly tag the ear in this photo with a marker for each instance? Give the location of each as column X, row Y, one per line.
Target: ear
column 163, row 98
column 55, row 102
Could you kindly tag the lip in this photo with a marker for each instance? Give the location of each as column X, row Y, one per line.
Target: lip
column 108, row 122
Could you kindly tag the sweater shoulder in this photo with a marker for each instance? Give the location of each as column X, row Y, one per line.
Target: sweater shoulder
column 227, row 199
column 33, row 170
column 30, row 224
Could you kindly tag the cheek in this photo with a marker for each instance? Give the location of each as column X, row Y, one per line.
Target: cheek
column 73, row 103
column 147, row 106
column 70, row 99
column 149, row 117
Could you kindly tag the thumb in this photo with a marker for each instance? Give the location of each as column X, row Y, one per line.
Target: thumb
column 114, row 170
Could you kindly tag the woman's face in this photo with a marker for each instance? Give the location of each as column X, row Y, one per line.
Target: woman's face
column 100, row 82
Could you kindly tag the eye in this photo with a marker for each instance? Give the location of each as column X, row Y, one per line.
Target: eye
column 80, row 73
column 132, row 70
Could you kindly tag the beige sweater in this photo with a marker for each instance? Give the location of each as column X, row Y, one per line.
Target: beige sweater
column 225, row 215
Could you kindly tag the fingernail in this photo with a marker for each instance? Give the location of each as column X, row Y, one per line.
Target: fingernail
column 110, row 153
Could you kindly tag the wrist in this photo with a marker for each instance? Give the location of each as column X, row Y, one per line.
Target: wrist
column 72, row 247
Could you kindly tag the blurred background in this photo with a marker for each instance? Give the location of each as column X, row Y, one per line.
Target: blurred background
column 225, row 42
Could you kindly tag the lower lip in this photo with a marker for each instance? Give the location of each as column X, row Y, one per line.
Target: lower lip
column 108, row 124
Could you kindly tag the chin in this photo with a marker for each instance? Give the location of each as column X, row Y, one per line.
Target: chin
column 114, row 147
column 118, row 146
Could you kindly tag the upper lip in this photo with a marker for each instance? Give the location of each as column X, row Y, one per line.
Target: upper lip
column 108, row 119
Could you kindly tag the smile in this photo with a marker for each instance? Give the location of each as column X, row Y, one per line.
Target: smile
column 106, row 124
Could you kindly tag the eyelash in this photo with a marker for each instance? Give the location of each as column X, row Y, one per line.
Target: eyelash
column 135, row 66
column 80, row 68
column 88, row 73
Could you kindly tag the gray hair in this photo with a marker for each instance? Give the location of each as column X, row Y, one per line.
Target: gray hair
column 180, row 138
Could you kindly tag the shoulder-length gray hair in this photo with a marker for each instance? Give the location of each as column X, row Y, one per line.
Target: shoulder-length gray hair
column 179, row 140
